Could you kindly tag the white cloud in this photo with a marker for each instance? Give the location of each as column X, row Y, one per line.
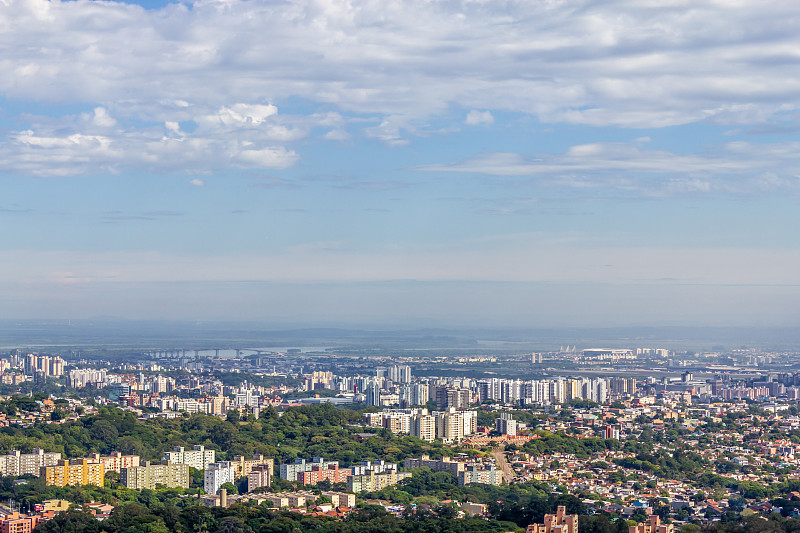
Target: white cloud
column 606, row 63
column 475, row 118
column 102, row 119
column 85, row 144
column 243, row 115
column 738, row 167
column 337, row 135
column 196, row 182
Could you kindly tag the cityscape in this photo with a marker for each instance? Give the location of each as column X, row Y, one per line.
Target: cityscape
column 667, row 439
column 399, row 266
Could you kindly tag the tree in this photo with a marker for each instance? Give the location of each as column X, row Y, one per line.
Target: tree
column 103, row 430
column 230, row 487
column 70, row 522
column 232, row 524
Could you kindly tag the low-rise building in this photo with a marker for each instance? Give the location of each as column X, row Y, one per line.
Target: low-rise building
column 341, row 499
column 654, row 525
column 17, row 523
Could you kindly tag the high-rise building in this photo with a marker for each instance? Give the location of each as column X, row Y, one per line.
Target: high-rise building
column 259, row 476
column 216, row 475
column 373, row 394
column 455, row 397
column 424, row 427
column 505, row 424
column 79, row 378
column 400, row 374
column 449, row 425
column 219, row 405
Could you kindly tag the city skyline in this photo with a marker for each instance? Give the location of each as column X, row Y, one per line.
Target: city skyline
column 525, row 164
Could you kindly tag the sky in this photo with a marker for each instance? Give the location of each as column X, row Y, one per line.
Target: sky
column 530, row 163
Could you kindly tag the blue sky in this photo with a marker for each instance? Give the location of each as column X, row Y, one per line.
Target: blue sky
column 509, row 163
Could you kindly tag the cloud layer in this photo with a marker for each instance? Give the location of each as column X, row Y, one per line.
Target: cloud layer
column 224, row 66
column 738, row 167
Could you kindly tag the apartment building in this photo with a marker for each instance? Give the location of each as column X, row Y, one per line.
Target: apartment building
column 149, row 476
column 216, row 475
column 243, row 466
column 259, row 476
column 653, row 526
column 198, row 457
column 445, row 464
column 290, row 471
column 561, row 522
column 424, row 427
column 488, row 475
column 341, row 499
column 19, row 464
column 116, row 461
column 75, row 472
column 332, row 473
column 371, row 482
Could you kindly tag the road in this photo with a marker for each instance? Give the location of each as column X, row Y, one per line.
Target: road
column 500, row 458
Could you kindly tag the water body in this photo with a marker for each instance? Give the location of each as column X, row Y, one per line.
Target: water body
column 231, row 354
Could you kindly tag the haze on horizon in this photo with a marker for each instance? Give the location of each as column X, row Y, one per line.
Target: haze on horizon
column 461, row 163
